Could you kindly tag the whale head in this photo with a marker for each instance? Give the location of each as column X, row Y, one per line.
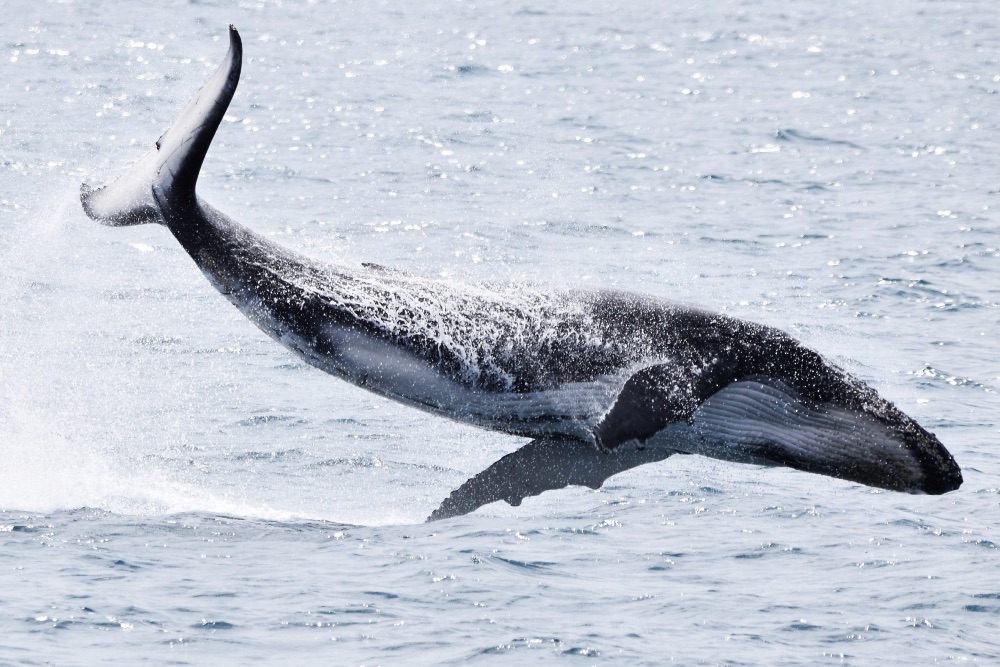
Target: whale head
column 855, row 435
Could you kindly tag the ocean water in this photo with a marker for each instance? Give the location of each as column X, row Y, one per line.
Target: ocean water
column 175, row 488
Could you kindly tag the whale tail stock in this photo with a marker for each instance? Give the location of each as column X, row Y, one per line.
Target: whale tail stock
column 172, row 167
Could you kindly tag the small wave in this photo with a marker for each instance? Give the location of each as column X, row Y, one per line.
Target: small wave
column 126, row 565
column 138, row 294
column 343, row 421
column 791, row 135
column 467, row 70
column 157, row 342
column 767, row 181
column 471, row 116
column 261, row 420
column 17, row 528
column 268, row 456
column 206, row 624
column 986, row 544
column 806, row 186
column 526, row 565
column 935, row 377
column 802, row 625
column 981, row 609
column 733, row 241
column 352, row 462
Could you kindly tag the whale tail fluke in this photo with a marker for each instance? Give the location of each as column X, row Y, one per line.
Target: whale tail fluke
column 172, row 167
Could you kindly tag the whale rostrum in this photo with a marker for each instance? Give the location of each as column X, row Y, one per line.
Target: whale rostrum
column 601, row 380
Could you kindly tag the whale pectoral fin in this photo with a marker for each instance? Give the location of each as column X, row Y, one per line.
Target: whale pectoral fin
column 652, row 399
column 539, row 466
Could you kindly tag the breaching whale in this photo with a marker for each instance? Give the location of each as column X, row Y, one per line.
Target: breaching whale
column 601, row 380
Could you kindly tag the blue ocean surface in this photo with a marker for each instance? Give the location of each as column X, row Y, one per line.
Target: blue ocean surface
column 176, row 488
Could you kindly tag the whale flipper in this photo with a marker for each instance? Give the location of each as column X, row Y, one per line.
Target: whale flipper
column 650, row 401
column 543, row 465
column 173, row 165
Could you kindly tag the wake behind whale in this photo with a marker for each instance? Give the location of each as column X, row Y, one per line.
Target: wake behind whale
column 601, row 380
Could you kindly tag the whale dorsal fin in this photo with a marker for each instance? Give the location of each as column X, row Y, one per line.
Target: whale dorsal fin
column 173, row 166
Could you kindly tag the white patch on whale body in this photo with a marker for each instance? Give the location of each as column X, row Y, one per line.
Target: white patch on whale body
column 487, row 329
column 570, row 409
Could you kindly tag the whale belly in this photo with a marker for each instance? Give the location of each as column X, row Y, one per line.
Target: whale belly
column 569, row 409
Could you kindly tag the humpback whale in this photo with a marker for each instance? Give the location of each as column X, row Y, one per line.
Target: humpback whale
column 600, row 380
